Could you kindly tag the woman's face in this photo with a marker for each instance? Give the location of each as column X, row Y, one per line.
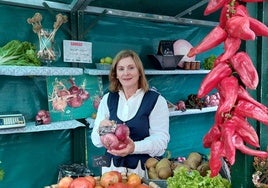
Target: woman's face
column 127, row 73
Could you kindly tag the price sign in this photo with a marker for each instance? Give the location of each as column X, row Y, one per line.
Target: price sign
column 100, row 161
column 77, row 51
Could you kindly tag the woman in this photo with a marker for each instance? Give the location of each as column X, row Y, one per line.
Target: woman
column 144, row 111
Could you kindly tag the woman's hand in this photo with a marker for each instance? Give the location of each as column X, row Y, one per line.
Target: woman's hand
column 129, row 149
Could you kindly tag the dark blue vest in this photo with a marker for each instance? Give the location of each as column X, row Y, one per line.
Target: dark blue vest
column 138, row 125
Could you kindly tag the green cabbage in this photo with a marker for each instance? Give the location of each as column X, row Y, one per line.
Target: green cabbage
column 19, row 53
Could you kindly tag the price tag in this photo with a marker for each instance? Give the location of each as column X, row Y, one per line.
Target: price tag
column 100, row 161
column 77, row 51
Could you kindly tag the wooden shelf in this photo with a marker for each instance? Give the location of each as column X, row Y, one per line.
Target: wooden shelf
column 149, row 72
column 31, row 127
column 39, row 71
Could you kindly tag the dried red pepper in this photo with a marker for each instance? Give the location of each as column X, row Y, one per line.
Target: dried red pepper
column 228, row 131
column 213, row 39
column 243, row 94
column 246, row 70
column 212, row 135
column 259, row 28
column 239, row 27
column 239, row 144
column 212, row 79
column 250, row 110
column 245, row 130
column 214, row 5
column 216, row 153
column 228, row 90
column 231, row 46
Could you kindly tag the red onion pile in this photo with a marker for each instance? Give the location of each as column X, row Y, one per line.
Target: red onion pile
column 42, row 117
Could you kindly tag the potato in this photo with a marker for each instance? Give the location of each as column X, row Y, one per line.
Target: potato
column 151, row 162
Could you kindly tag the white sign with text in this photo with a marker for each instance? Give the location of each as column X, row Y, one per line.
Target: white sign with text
column 77, row 51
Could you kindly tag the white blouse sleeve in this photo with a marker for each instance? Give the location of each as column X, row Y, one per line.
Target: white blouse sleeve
column 103, row 112
column 157, row 142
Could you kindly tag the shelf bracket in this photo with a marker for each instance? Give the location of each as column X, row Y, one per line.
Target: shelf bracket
column 95, row 21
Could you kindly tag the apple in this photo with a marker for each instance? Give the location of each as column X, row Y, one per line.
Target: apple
column 108, row 60
column 102, row 60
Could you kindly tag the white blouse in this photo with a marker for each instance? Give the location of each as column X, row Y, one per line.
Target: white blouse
column 156, row 143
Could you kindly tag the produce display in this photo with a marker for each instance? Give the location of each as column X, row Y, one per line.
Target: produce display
column 111, row 179
column 191, row 172
column 232, row 74
column 19, row 53
column 194, row 102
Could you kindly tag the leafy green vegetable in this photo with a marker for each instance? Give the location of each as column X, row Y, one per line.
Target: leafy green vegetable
column 209, row 62
column 19, row 53
column 182, row 178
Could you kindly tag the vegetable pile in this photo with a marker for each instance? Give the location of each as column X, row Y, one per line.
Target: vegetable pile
column 232, row 74
column 42, row 117
column 19, row 53
column 115, row 136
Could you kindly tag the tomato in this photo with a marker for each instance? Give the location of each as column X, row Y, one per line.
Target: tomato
column 81, row 182
column 65, row 182
column 134, row 180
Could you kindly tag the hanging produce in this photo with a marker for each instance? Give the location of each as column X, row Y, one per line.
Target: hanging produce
column 232, row 74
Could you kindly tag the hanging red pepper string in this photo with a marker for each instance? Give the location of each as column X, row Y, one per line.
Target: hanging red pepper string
column 239, row 144
column 231, row 128
column 243, row 65
column 213, row 39
column 212, row 79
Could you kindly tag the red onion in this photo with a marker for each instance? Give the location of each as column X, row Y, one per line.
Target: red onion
column 42, row 117
column 121, row 132
column 110, row 141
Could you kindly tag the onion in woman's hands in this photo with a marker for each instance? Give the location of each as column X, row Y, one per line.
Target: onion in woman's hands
column 117, row 139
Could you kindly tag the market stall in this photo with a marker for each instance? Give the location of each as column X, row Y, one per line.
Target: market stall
column 31, row 156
